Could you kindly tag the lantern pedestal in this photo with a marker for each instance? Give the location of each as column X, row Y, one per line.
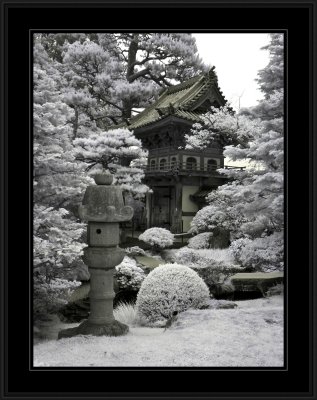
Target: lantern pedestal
column 114, row 328
column 103, row 208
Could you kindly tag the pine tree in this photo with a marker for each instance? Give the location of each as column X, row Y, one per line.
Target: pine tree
column 58, row 183
column 110, row 76
column 251, row 205
column 150, row 61
column 116, row 150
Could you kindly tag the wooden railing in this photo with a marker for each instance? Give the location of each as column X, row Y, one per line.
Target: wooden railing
column 179, row 149
column 178, row 167
column 234, row 167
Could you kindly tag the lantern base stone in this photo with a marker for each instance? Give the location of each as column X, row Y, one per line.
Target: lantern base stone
column 114, row 328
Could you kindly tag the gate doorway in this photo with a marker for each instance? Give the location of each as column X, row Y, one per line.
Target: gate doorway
column 163, row 201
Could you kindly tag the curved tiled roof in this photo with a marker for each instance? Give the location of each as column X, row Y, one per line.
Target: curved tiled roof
column 178, row 100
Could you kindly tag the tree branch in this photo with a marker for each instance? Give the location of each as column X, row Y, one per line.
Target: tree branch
column 136, row 75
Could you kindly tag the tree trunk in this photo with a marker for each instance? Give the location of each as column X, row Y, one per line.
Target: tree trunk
column 75, row 124
column 133, row 49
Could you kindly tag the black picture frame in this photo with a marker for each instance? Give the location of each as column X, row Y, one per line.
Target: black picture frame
column 298, row 20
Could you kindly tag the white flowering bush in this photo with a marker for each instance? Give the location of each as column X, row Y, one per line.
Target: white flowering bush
column 51, row 296
column 158, row 238
column 200, row 241
column 262, row 254
column 168, row 288
column 129, row 276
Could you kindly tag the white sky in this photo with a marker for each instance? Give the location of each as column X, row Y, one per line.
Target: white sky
column 237, row 58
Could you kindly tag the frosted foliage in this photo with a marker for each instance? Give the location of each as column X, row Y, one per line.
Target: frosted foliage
column 251, row 205
column 59, row 182
column 179, row 49
column 108, row 75
column 50, row 296
column 108, row 146
column 263, row 254
column 129, row 276
column 214, row 266
column 236, row 247
column 57, row 178
column 82, row 84
column 218, row 258
column 222, row 126
column 164, row 56
column 110, row 150
column 157, row 237
column 169, row 288
column 200, row 241
column 130, row 179
column 56, row 238
column 138, row 92
column 91, row 74
column 216, row 216
column 134, row 251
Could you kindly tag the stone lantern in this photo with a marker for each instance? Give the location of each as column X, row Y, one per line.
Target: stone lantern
column 103, row 209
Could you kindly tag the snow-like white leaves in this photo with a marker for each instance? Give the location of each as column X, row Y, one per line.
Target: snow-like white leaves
column 59, row 181
column 157, row 237
column 169, row 288
column 56, row 237
column 216, row 258
column 58, row 178
column 111, row 74
column 200, row 241
column 264, row 254
column 252, row 206
column 50, row 296
column 119, row 150
column 109, row 145
column 214, row 266
column 221, row 126
column 129, row 276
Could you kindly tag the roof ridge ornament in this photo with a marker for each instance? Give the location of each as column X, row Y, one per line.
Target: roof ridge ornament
column 171, row 108
column 212, row 71
column 167, row 110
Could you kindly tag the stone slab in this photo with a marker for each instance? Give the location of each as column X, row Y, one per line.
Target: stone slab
column 257, row 275
column 256, row 281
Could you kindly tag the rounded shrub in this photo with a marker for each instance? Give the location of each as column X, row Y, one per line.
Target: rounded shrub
column 168, row 288
column 159, row 238
column 200, row 241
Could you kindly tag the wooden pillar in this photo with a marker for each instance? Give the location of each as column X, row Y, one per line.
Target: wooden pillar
column 202, row 165
column 178, row 207
column 148, row 208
